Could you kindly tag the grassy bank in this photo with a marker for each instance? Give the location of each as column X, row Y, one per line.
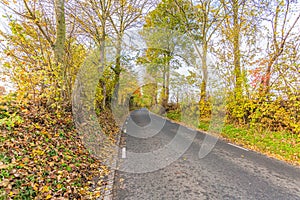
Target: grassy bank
column 281, row 145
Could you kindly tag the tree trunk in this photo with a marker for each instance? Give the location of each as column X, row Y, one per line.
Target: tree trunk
column 168, row 82
column 163, row 92
column 117, row 68
column 103, row 61
column 204, row 69
column 236, row 51
column 59, row 46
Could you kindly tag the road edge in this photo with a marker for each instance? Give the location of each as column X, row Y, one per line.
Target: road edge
column 108, row 190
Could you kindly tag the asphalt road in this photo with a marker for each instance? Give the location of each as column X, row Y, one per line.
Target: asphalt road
column 227, row 172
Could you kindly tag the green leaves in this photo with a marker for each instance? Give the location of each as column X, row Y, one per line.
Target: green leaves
column 9, row 118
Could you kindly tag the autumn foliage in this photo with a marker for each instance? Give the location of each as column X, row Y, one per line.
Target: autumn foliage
column 43, row 157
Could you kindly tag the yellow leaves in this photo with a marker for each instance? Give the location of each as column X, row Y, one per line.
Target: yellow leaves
column 59, row 186
column 36, row 21
column 21, row 165
column 68, row 157
column 48, row 196
column 37, row 152
column 82, row 191
column 37, row 126
column 123, row 3
column 44, row 132
column 35, row 187
column 45, row 189
column 5, row 2
column 97, row 194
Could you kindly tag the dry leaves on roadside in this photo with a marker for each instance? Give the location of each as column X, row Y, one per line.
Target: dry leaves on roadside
column 43, row 157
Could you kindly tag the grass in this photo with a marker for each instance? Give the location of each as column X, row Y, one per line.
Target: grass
column 174, row 115
column 281, row 145
column 203, row 125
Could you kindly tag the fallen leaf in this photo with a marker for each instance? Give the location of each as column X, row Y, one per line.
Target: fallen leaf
column 3, row 166
column 4, row 183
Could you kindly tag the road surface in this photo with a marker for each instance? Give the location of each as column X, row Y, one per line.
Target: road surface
column 227, row 172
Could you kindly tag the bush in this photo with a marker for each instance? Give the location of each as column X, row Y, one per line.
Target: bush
column 273, row 115
column 174, row 115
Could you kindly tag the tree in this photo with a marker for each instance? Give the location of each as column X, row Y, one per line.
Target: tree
column 36, row 51
column 236, row 46
column 232, row 28
column 105, row 23
column 125, row 15
column 164, row 35
column 93, row 18
column 201, row 21
column 59, row 45
column 280, row 15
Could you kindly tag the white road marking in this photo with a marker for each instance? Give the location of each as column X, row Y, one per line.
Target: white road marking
column 124, row 152
column 238, row 147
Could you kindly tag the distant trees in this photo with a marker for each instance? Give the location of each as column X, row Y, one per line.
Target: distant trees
column 201, row 21
column 164, row 34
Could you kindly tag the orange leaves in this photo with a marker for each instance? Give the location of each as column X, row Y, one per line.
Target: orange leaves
column 256, row 74
column 5, row 2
